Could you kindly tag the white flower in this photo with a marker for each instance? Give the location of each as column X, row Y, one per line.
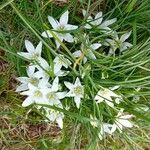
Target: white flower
column 121, row 121
column 97, row 21
column 76, row 91
column 106, row 96
column 54, row 115
column 35, row 94
column 32, row 79
column 118, row 43
column 59, row 62
column 33, row 53
column 52, row 95
column 104, row 127
column 87, row 50
column 59, row 28
column 45, row 70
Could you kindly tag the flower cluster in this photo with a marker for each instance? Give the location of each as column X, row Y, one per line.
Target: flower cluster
column 47, row 82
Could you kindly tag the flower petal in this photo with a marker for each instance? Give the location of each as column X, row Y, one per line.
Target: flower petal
column 77, row 82
column 77, row 101
column 59, row 120
column 53, row 22
column 38, row 49
column 64, row 18
column 77, row 53
column 95, row 46
column 68, row 37
column 25, row 55
column 30, row 70
column 28, row 101
column 55, row 84
column 29, row 46
column 125, row 123
column 61, row 95
column 108, row 22
column 68, row 85
column 125, row 36
column 98, row 18
column 70, row 27
column 22, row 87
column 47, row 34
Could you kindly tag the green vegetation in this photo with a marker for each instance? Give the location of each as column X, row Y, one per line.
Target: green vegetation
column 24, row 128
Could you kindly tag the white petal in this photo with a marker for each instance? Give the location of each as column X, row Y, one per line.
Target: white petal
column 125, row 123
column 107, row 128
column 57, row 67
column 53, row 22
column 91, row 54
column 46, row 34
column 29, row 46
column 125, row 36
column 38, row 49
column 88, row 26
column 95, row 46
column 77, row 82
column 59, row 120
column 55, row 84
column 68, row 85
column 108, row 22
column 127, row 44
column 70, row 94
column 98, row 99
column 64, row 18
column 23, row 79
column 84, row 60
column 113, row 129
column 126, row 117
column 61, row 95
column 61, row 40
column 109, row 103
column 98, row 18
column 25, row 55
column 69, row 38
column 77, row 53
column 70, row 27
column 28, row 101
column 61, row 73
column 22, row 87
column 30, row 70
column 77, row 101
column 84, row 12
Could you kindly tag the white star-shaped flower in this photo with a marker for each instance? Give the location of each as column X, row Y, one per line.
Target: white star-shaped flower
column 76, row 91
column 59, row 28
column 32, row 53
column 118, row 43
column 104, row 127
column 35, row 94
column 87, row 50
column 121, row 121
column 52, row 95
column 61, row 61
column 54, row 115
column 45, row 70
column 106, row 96
column 32, row 79
column 97, row 21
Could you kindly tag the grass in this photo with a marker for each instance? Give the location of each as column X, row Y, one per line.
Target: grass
column 23, row 128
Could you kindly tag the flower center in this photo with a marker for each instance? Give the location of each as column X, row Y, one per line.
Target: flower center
column 51, row 96
column 78, row 90
column 35, row 56
column 34, row 81
column 38, row 93
column 61, row 28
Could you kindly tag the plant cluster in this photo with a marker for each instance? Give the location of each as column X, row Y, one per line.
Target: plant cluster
column 60, row 82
